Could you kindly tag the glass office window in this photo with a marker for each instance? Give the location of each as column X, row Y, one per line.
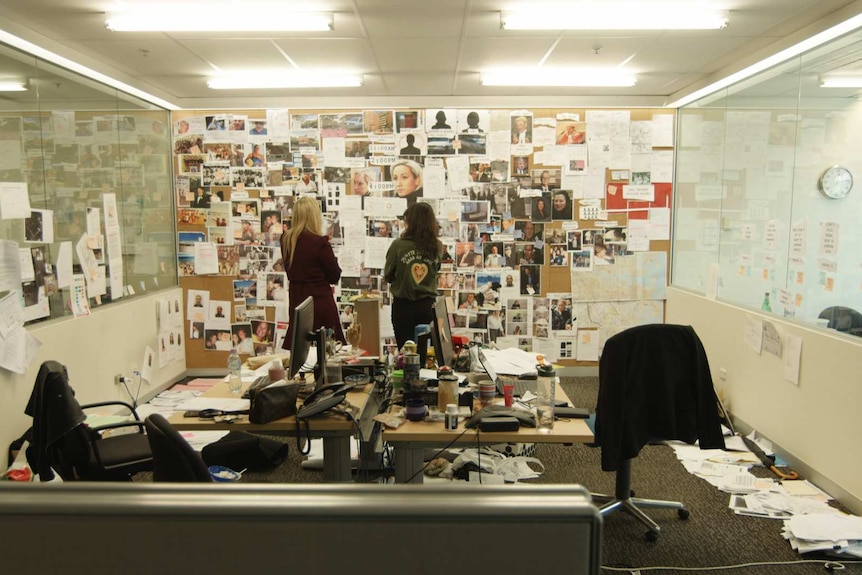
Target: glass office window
column 94, row 164
column 752, row 224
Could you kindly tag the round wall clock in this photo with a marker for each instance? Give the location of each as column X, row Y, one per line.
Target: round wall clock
column 836, row 182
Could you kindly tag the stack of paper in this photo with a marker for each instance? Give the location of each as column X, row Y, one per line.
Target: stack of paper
column 743, row 482
column 511, row 361
column 830, row 531
column 756, row 505
column 168, row 401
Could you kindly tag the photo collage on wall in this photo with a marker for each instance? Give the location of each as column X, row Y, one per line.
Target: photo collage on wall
column 516, row 192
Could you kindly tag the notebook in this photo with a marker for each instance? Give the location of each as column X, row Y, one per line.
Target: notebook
column 521, row 385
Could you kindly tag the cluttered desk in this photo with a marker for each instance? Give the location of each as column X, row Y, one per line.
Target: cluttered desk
column 334, row 428
column 516, row 405
column 287, row 403
column 410, row 438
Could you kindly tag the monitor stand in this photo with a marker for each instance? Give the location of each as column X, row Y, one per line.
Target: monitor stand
column 319, row 337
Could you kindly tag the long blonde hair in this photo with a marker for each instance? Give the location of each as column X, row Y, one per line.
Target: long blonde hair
column 306, row 218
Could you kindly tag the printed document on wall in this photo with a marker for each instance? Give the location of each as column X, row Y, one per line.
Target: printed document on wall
column 792, row 356
column 588, row 345
column 18, row 350
column 14, row 201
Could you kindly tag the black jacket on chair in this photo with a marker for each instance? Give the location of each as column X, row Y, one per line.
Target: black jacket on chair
column 654, row 383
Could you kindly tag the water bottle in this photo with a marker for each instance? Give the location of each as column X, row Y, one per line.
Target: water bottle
column 234, row 366
column 546, row 390
column 765, row 306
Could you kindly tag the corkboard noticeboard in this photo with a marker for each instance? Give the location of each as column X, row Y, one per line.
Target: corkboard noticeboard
column 554, row 279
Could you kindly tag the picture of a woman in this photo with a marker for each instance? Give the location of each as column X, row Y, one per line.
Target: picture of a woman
column 359, row 183
column 562, row 206
column 541, row 209
column 255, row 158
column 407, row 176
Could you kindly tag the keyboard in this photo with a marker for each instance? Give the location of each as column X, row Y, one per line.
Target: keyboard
column 521, row 385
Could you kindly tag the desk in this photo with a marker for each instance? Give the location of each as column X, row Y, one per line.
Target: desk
column 413, row 437
column 334, row 428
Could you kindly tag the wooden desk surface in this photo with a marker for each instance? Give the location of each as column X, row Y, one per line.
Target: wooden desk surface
column 328, row 421
column 565, row 431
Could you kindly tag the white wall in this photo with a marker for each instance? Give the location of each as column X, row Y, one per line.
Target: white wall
column 816, row 425
column 94, row 349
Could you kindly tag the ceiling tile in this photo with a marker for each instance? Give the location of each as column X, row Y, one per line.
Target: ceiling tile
column 418, row 55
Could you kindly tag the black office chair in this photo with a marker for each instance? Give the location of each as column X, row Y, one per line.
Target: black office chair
column 174, row 459
column 62, row 442
column 843, row 319
column 654, row 383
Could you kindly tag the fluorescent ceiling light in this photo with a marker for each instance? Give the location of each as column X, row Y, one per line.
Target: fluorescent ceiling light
column 777, row 58
column 64, row 62
column 556, row 77
column 291, row 79
column 216, row 17
column 12, row 86
column 613, row 16
column 841, row 82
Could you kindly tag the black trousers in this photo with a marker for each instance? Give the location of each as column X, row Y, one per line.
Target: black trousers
column 407, row 314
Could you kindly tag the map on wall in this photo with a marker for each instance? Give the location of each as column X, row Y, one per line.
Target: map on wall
column 639, row 277
column 613, row 317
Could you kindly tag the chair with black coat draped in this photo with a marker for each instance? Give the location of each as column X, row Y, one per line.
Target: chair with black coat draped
column 654, row 384
column 62, row 442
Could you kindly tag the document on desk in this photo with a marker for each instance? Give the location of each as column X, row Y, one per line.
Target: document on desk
column 222, row 403
column 511, row 361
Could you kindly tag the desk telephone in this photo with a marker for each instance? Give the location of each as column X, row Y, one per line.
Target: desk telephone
column 324, row 398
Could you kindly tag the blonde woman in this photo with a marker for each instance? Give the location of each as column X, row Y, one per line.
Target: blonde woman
column 407, row 176
column 311, row 267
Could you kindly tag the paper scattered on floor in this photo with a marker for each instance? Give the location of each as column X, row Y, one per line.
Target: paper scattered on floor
column 810, row 523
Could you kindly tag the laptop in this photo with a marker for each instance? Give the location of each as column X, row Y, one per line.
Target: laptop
column 521, row 385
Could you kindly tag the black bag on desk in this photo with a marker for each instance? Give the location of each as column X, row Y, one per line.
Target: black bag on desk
column 239, row 450
column 273, row 402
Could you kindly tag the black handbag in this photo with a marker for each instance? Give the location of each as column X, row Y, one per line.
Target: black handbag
column 239, row 450
column 273, row 402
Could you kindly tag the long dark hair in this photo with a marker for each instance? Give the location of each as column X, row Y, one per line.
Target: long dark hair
column 422, row 229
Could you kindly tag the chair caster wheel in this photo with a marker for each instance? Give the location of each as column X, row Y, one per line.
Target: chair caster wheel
column 683, row 513
column 651, row 536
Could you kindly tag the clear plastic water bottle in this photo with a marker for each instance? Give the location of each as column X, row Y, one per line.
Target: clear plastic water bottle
column 234, row 367
column 545, row 396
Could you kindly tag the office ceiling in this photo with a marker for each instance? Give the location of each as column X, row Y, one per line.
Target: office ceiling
column 416, row 52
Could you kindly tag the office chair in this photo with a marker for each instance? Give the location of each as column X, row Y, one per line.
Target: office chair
column 174, row 459
column 843, row 319
column 62, row 442
column 654, row 384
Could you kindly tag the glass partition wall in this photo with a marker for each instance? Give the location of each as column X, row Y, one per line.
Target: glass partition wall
column 756, row 220
column 94, row 164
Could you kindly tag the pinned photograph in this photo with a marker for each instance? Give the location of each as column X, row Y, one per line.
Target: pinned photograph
column 531, row 278
column 562, row 318
column 559, row 256
column 522, row 128
column 582, row 260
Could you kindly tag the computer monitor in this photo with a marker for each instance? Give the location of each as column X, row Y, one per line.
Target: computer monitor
column 441, row 333
column 303, row 335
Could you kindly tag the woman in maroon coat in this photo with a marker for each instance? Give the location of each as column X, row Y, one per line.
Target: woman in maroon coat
column 311, row 267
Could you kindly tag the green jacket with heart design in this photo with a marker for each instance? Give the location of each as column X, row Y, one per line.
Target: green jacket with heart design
column 410, row 273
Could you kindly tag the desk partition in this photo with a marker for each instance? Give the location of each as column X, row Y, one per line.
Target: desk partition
column 238, row 528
